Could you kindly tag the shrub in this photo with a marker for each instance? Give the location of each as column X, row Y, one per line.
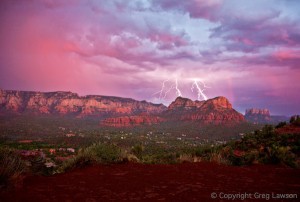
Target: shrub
column 235, row 159
column 264, row 146
column 163, row 158
column 280, row 125
column 219, row 158
column 11, row 166
column 97, row 153
column 203, row 151
column 81, row 160
column 250, row 157
column 38, row 165
column 132, row 158
column 187, row 158
column 295, row 120
column 105, row 153
column 267, row 131
column 138, row 150
column 282, row 155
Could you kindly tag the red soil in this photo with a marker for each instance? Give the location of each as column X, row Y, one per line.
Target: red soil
column 181, row 182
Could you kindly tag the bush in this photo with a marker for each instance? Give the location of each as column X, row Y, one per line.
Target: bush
column 267, row 131
column 11, row 166
column 163, row 158
column 265, row 146
column 97, row 153
column 282, row 155
column 138, row 150
column 203, row 151
column 105, row 153
column 219, row 158
column 187, row 158
column 280, row 125
column 245, row 158
column 295, row 120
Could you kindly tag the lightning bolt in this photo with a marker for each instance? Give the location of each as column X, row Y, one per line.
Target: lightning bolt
column 200, row 92
column 170, row 84
column 162, row 90
column 166, row 89
column 178, row 92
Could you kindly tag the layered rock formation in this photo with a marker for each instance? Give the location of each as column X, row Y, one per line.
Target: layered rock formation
column 263, row 116
column 184, row 104
column 68, row 103
column 214, row 111
column 258, row 115
column 128, row 121
column 120, row 112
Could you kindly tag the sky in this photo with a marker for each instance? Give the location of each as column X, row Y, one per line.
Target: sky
column 156, row 50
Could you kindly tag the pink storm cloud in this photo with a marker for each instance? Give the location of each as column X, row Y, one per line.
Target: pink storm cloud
column 246, row 51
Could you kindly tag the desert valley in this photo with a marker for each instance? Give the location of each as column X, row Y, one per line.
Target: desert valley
column 120, row 148
column 149, row 100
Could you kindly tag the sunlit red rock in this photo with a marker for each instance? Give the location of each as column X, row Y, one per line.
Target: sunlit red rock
column 216, row 111
column 65, row 103
column 213, row 111
column 127, row 121
column 121, row 112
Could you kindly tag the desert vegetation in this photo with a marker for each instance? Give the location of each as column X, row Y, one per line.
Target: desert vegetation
column 263, row 146
column 295, row 120
column 11, row 166
column 47, row 145
column 97, row 153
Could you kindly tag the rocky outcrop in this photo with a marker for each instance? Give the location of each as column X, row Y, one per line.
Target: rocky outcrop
column 128, row 121
column 120, row 112
column 254, row 111
column 214, row 111
column 263, row 116
column 254, row 115
column 217, row 103
column 184, row 104
column 68, row 103
column 187, row 104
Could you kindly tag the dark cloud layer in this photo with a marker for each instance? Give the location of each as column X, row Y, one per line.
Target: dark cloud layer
column 128, row 48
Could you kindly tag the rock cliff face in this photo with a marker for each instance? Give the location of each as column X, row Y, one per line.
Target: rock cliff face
column 254, row 111
column 120, row 112
column 263, row 116
column 128, row 121
column 214, row 111
column 68, row 103
column 258, row 115
column 184, row 104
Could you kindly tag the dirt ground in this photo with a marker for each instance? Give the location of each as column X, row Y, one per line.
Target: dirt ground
column 180, row 182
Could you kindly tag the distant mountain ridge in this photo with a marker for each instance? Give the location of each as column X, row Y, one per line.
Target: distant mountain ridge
column 120, row 112
column 68, row 103
column 213, row 111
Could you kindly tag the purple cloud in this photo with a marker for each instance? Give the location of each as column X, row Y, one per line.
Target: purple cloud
column 247, row 51
column 241, row 33
column 195, row 8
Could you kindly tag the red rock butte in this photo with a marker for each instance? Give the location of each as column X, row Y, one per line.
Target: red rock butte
column 213, row 111
column 120, row 112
